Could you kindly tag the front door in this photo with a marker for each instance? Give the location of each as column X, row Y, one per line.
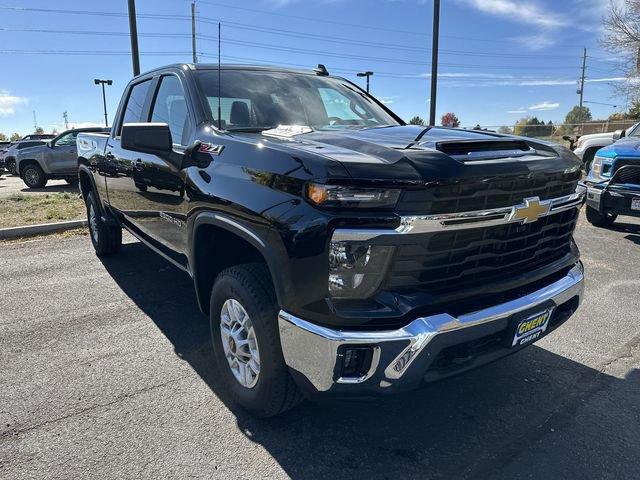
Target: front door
column 161, row 198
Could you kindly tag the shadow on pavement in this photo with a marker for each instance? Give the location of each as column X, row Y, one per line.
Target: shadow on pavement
column 534, row 415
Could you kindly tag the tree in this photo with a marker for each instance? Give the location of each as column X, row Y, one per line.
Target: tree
column 576, row 115
column 416, row 121
column 450, row 120
column 15, row 137
column 505, row 130
column 634, row 111
column 3, row 137
column 39, row 130
column 532, row 127
column 617, row 117
column 621, row 29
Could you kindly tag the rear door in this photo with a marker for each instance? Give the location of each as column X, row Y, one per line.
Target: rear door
column 122, row 165
column 61, row 158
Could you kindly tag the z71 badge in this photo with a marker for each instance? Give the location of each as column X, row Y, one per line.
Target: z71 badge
column 210, row 149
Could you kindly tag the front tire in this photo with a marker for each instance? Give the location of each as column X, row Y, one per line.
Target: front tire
column 597, row 219
column 246, row 342
column 33, row 176
column 106, row 239
column 10, row 165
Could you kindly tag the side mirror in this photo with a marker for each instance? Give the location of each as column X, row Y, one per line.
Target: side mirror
column 618, row 134
column 153, row 138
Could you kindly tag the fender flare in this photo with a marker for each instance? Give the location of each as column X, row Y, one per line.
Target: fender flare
column 235, row 226
column 83, row 169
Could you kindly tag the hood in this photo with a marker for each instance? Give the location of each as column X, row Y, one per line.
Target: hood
column 591, row 136
column 31, row 151
column 417, row 154
column 625, row 147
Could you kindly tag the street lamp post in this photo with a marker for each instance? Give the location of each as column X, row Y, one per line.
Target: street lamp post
column 366, row 74
column 98, row 81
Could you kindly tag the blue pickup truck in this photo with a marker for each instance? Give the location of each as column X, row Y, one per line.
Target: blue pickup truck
column 613, row 184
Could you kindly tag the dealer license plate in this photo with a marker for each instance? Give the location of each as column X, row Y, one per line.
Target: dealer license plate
column 635, row 203
column 531, row 328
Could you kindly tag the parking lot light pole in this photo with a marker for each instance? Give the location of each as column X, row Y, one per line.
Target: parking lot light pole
column 434, row 61
column 365, row 74
column 98, row 81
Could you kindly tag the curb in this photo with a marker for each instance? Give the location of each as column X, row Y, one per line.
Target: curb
column 31, row 230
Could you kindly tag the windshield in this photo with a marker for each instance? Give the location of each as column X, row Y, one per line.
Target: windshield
column 260, row 100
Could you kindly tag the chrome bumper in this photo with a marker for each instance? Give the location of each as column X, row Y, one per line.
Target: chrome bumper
column 402, row 356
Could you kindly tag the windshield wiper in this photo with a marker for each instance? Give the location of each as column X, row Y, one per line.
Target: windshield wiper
column 248, row 129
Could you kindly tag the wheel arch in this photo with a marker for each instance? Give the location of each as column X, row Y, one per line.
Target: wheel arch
column 216, row 242
column 25, row 163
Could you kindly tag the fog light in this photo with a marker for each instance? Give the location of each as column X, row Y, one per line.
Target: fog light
column 356, row 270
column 356, row 361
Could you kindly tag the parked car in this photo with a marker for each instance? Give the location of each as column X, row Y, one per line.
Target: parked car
column 336, row 249
column 39, row 136
column 55, row 159
column 613, row 184
column 11, row 154
column 4, row 146
column 588, row 145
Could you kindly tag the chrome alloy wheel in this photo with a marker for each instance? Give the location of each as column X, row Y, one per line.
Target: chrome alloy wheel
column 93, row 223
column 239, row 343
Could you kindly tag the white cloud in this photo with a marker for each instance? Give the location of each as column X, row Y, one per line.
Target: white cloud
column 520, row 111
column 520, row 11
column 9, row 103
column 388, row 100
column 544, row 106
column 60, row 127
column 535, row 42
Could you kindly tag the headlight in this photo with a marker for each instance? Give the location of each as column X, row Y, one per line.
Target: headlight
column 351, row 197
column 601, row 168
column 355, row 269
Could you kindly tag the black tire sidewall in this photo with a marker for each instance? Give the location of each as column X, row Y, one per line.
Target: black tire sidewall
column 41, row 176
column 263, row 314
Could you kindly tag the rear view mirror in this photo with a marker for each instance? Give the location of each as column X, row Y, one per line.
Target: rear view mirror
column 618, row 134
column 154, row 138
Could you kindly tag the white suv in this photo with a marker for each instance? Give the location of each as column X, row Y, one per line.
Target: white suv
column 588, row 145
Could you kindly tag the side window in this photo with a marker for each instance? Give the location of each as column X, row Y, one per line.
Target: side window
column 338, row 106
column 68, row 139
column 135, row 104
column 170, row 107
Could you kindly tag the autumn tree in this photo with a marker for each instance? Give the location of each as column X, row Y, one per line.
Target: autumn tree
column 39, row 131
column 15, row 137
column 450, row 120
column 3, row 137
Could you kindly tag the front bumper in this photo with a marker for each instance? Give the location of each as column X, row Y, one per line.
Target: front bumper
column 614, row 199
column 403, row 359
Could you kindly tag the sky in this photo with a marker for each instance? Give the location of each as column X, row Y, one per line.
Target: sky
column 500, row 60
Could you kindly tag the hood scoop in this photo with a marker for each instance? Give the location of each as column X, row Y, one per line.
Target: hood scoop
column 476, row 150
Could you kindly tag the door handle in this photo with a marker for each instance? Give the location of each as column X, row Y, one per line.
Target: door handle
column 137, row 164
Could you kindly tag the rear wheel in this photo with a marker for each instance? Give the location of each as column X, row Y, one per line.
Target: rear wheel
column 246, row 341
column 597, row 219
column 33, row 176
column 106, row 239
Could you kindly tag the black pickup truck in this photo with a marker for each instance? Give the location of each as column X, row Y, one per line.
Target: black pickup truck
column 336, row 250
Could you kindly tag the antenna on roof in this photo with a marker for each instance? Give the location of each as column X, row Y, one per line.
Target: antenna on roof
column 219, row 80
column 321, row 70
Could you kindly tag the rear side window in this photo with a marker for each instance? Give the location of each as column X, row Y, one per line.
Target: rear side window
column 135, row 104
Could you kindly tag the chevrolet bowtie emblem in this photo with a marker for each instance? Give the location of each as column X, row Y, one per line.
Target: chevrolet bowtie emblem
column 530, row 211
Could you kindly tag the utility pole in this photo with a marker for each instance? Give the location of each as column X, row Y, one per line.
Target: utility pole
column 35, row 122
column 98, row 81
column 133, row 32
column 434, row 61
column 66, row 120
column 581, row 91
column 365, row 74
column 193, row 31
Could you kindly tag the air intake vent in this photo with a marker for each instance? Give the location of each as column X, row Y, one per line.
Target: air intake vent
column 484, row 149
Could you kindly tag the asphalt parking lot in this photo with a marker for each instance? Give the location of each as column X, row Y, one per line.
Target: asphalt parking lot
column 107, row 373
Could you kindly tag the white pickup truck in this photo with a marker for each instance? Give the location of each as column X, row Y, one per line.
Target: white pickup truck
column 588, row 145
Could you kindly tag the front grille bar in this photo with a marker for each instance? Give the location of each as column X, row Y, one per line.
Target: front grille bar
column 530, row 210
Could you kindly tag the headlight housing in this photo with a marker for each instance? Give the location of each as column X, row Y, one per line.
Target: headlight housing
column 356, row 270
column 601, row 168
column 351, row 197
